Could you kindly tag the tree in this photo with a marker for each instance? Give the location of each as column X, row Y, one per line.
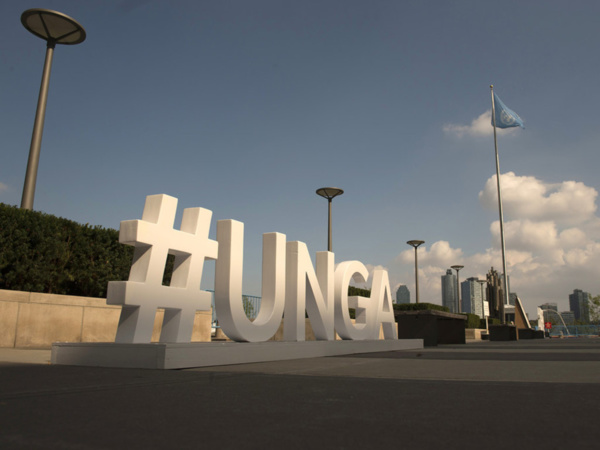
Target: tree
column 248, row 307
column 595, row 309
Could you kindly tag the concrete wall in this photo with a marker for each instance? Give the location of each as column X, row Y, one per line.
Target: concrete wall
column 474, row 333
column 34, row 320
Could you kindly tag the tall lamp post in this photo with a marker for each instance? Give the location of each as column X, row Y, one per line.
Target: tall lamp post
column 415, row 244
column 54, row 28
column 483, row 316
column 329, row 193
column 457, row 267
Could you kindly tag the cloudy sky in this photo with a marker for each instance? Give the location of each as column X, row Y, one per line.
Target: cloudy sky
column 247, row 107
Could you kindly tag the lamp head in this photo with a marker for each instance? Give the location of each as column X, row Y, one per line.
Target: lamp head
column 330, row 192
column 53, row 26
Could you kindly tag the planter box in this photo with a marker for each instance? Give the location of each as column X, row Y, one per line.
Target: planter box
column 503, row 332
column 530, row 333
column 475, row 333
column 434, row 327
column 526, row 333
column 539, row 334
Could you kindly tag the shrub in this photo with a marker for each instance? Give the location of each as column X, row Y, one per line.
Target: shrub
column 473, row 320
column 491, row 321
column 352, row 291
column 43, row 253
column 419, row 307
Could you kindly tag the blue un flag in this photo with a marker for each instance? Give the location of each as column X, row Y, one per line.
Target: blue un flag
column 506, row 118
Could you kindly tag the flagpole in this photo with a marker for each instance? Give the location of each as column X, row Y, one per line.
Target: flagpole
column 505, row 299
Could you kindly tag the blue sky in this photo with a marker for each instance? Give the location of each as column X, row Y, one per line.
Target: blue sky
column 247, row 107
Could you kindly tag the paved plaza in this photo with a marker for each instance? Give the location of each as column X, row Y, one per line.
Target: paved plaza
column 525, row 394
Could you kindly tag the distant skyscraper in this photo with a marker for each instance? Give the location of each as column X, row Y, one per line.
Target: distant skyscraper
column 568, row 317
column 495, row 296
column 403, row 294
column 449, row 290
column 548, row 314
column 579, row 302
column 471, row 296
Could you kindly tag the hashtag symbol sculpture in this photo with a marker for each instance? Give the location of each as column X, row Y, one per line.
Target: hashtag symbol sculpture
column 154, row 238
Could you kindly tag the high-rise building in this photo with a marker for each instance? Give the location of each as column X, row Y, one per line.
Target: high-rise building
column 449, row 299
column 550, row 312
column 495, row 295
column 471, row 295
column 403, row 294
column 579, row 302
column 547, row 306
column 568, row 317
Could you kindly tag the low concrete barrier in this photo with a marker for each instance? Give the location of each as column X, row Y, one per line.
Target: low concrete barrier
column 434, row 327
column 503, row 333
column 474, row 333
column 35, row 320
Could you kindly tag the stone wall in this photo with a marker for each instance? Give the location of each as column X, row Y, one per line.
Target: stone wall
column 34, row 320
column 474, row 333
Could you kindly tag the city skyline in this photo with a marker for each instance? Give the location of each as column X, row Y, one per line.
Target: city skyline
column 246, row 108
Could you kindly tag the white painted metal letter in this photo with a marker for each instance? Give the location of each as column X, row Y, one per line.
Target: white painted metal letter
column 310, row 292
column 228, row 284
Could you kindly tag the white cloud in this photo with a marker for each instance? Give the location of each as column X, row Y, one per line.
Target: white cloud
column 3, row 187
column 526, row 235
column 440, row 254
column 360, row 283
column 480, row 126
column 552, row 244
column 526, row 197
column 572, row 238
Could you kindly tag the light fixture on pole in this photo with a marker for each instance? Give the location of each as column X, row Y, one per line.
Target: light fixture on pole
column 329, row 193
column 54, row 28
column 415, row 244
column 457, row 267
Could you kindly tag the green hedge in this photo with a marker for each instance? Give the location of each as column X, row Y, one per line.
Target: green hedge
column 419, row 307
column 399, row 307
column 44, row 253
column 473, row 321
column 352, row 291
column 491, row 321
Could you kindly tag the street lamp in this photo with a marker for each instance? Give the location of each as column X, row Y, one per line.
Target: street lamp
column 481, row 283
column 329, row 193
column 457, row 267
column 415, row 244
column 54, row 28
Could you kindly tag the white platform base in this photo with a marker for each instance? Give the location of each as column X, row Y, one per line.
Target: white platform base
column 204, row 354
